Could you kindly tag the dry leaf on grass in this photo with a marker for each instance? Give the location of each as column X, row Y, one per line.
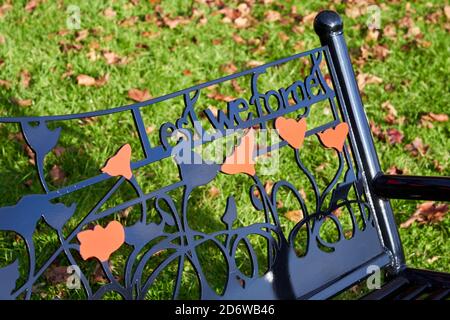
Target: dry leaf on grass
column 109, row 12
column 229, row 68
column 294, row 215
column 25, row 78
column 213, row 192
column 427, row 212
column 22, row 102
column 5, row 84
column 396, row 171
column 57, row 174
column 56, row 274
column 416, row 147
column 220, row 97
column 81, row 35
column 113, row 58
column 364, row 79
column 85, row 80
column 391, row 117
column 31, row 5
column 427, row 119
column 394, row 136
column 272, row 16
column 139, row 95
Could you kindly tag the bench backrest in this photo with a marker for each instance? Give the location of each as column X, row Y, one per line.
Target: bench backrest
column 318, row 267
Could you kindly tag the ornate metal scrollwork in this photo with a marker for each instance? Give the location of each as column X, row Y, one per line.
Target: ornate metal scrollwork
column 287, row 274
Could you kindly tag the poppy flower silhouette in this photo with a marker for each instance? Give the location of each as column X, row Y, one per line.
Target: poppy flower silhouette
column 334, row 137
column 241, row 159
column 120, row 163
column 101, row 242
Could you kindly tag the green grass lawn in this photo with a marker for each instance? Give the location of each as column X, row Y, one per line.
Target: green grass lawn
column 140, row 47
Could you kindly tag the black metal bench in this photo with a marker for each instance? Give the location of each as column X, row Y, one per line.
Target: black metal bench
column 324, row 268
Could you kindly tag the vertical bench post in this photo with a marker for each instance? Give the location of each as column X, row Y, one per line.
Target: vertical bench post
column 329, row 27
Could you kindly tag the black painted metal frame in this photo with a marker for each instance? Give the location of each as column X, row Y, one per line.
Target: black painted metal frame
column 325, row 269
column 412, row 187
column 329, row 27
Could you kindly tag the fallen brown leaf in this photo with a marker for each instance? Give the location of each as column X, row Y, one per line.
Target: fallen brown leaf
column 220, row 97
column 128, row 22
column 309, row 18
column 113, row 58
column 416, row 147
column 56, row 274
column 98, row 276
column 238, row 39
column 391, row 116
column 295, row 215
column 433, row 259
column 92, row 55
column 268, row 186
column 354, row 11
column 25, row 78
column 81, row 35
column 57, row 174
column 173, row 23
column 431, row 117
column 447, row 11
column 364, row 79
column 85, row 80
column 372, row 35
column 139, row 95
column 58, row 150
column 427, row 212
column 150, row 129
column 5, row 84
column 380, row 51
column 394, row 136
column 377, row 131
column 302, row 193
column 254, row 63
column 213, row 192
column 272, row 16
column 439, row 167
column 5, row 8
column 236, row 86
column 242, row 22
column 229, row 68
column 433, row 17
column 125, row 213
column 31, row 5
column 65, row 47
column 109, row 12
column 395, row 171
column 149, row 34
column 22, row 102
column 390, row 32
column 69, row 71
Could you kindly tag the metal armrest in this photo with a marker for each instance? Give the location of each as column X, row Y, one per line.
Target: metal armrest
column 412, row 187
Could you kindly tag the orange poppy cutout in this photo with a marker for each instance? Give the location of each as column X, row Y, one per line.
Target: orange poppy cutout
column 101, row 242
column 119, row 164
column 292, row 131
column 241, row 159
column 334, row 138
